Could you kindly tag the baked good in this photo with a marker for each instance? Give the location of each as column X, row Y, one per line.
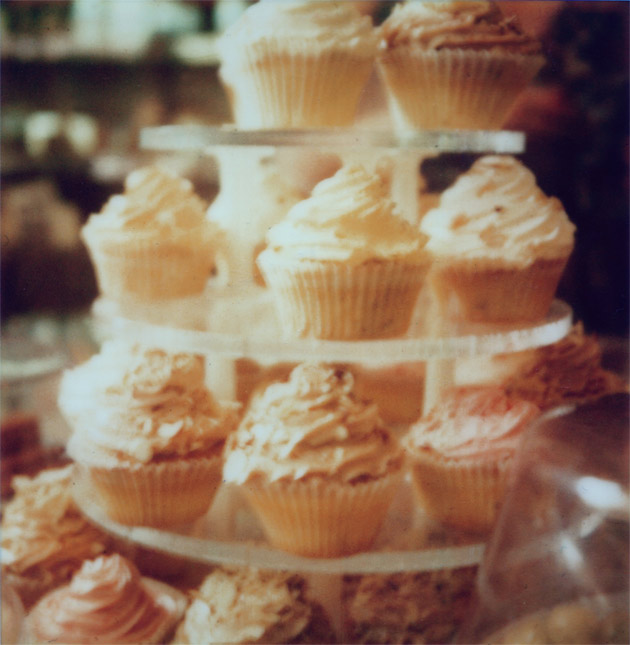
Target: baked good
column 454, row 64
column 460, row 454
column 342, row 264
column 315, row 463
column 45, row 538
column 407, row 607
column 153, row 242
column 564, row 373
column 20, row 448
column 297, row 64
column 107, row 601
column 248, row 605
column 500, row 244
column 12, row 614
column 148, row 435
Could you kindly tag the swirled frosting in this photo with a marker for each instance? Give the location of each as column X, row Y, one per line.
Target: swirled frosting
column 496, row 211
column 44, row 536
column 311, row 425
column 132, row 404
column 473, row 421
column 461, row 25
column 316, row 25
column 350, row 218
column 245, row 606
column 154, row 202
column 106, row 602
column 569, row 371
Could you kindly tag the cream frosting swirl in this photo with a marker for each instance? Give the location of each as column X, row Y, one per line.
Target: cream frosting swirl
column 472, row 422
column 496, row 211
column 350, row 218
column 314, row 25
column 107, row 602
column 132, row 404
column 44, row 536
column 311, row 425
column 458, row 24
column 154, row 202
column 245, row 606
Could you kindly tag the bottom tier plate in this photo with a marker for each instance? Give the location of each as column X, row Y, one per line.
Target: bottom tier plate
column 230, row 535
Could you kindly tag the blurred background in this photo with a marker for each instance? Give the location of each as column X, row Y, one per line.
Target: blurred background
column 81, row 78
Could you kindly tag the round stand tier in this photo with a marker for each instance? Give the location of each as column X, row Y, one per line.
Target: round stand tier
column 200, row 138
column 230, row 535
column 268, row 344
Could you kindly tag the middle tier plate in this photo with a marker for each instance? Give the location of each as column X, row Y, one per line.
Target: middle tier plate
column 245, row 327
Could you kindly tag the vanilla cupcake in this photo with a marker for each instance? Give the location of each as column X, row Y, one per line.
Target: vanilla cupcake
column 248, row 605
column 500, row 244
column 45, row 538
column 315, row 463
column 461, row 454
column 153, row 242
column 342, row 264
column 148, row 435
column 454, row 64
column 107, row 601
column 297, row 64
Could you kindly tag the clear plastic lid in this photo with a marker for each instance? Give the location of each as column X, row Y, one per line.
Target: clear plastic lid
column 556, row 567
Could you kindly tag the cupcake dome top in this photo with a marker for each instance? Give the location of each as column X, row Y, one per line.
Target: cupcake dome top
column 497, row 211
column 349, row 217
column 461, row 25
column 312, row 425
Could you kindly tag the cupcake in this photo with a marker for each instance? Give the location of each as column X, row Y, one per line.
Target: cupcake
column 248, row 605
column 315, row 463
column 297, row 64
column 45, row 538
column 461, row 453
column 107, row 601
column 342, row 264
column 454, row 64
column 153, row 242
column 500, row 244
column 565, row 373
column 148, row 435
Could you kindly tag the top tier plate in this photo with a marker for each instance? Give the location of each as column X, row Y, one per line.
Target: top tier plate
column 200, row 138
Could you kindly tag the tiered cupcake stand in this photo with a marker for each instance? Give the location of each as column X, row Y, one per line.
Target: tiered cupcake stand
column 234, row 319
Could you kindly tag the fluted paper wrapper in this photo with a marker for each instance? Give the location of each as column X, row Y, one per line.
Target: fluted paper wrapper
column 454, row 89
column 332, row 300
column 486, row 293
column 322, row 518
column 135, row 268
column 285, row 87
column 156, row 494
column 465, row 494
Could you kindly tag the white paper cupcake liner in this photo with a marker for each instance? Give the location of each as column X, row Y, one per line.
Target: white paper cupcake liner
column 322, row 518
column 331, row 300
column 453, row 88
column 280, row 87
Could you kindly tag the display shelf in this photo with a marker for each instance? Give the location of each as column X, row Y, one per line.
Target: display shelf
column 200, row 138
column 268, row 343
column 230, row 535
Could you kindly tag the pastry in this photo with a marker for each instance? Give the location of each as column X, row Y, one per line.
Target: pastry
column 461, row 452
column 148, row 435
column 342, row 264
column 107, row 601
column 315, row 463
column 154, row 242
column 45, row 538
column 407, row 607
column 454, row 64
column 249, row 605
column 297, row 64
column 500, row 244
